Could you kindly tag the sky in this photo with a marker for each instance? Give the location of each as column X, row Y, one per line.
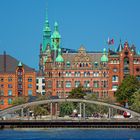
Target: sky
column 81, row 22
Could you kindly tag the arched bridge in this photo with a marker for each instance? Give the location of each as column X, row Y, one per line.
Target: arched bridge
column 26, row 105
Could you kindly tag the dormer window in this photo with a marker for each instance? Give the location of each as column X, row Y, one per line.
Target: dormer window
column 96, row 64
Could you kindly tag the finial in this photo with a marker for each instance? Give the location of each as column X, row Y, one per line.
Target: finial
column 56, row 26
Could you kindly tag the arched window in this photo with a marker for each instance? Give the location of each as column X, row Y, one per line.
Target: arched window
column 126, row 61
column 68, row 64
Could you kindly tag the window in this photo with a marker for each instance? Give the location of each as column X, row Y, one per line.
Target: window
column 104, row 94
column 10, row 79
column 104, row 84
column 138, row 77
column 43, row 93
column 1, row 92
column 96, row 64
column 114, row 87
column 30, row 92
column 9, row 92
column 29, row 79
column 58, row 84
column 77, row 83
column 115, row 70
column 20, row 73
column 68, row 64
column 77, row 74
column 2, row 102
column 1, row 79
column 43, row 87
column 68, row 84
column 19, row 79
column 2, row 86
column 43, row 80
column 137, row 69
column 68, row 74
column 86, row 84
column 96, row 84
column 10, row 101
column 19, row 86
column 49, row 84
column 95, row 74
column 37, row 87
column 104, row 74
column 114, row 78
column 37, row 81
column 29, row 85
column 9, row 85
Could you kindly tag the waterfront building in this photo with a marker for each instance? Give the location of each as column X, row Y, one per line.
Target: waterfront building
column 99, row 73
column 16, row 80
column 40, row 84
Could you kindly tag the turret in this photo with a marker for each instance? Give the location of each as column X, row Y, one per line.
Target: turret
column 120, row 47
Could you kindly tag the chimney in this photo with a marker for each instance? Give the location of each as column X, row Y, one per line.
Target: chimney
column 4, row 61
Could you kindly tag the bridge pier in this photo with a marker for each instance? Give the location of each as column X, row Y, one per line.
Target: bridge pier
column 51, row 111
column 109, row 113
column 56, row 108
column 22, row 113
column 84, row 113
column 80, row 111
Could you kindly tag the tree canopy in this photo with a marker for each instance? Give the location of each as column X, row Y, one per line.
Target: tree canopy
column 77, row 93
column 125, row 91
column 136, row 101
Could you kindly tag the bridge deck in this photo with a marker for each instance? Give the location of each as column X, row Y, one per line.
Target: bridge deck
column 69, row 124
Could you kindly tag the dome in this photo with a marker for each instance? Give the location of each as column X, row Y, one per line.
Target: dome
column 59, row 57
column 56, row 33
column 104, row 57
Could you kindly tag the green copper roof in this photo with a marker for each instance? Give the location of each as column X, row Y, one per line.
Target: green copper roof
column 104, row 57
column 19, row 64
column 56, row 32
column 59, row 57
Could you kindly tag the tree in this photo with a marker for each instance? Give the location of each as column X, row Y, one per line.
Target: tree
column 77, row 93
column 19, row 100
column 125, row 91
column 136, row 101
column 66, row 108
column 39, row 110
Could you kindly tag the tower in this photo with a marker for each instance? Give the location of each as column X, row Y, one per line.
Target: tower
column 55, row 39
column 44, row 45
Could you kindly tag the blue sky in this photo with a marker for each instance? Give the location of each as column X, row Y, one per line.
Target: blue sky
column 87, row 22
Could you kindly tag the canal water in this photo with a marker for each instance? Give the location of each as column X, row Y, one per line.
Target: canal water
column 70, row 134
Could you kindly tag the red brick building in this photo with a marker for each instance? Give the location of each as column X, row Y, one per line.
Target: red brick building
column 99, row 73
column 16, row 79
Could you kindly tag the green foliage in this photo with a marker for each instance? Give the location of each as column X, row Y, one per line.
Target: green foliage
column 39, row 110
column 77, row 93
column 19, row 100
column 42, row 97
column 126, row 90
column 136, row 102
column 66, row 108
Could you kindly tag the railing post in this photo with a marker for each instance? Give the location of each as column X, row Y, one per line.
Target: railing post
column 51, row 111
column 109, row 113
column 28, row 113
column 80, row 106
column 56, row 106
column 22, row 113
column 84, row 113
